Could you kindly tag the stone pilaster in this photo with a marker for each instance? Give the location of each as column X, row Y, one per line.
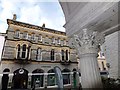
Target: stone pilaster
column 87, row 44
column 71, row 79
column 45, row 80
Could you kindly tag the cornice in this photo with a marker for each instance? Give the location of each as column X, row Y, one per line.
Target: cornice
column 30, row 26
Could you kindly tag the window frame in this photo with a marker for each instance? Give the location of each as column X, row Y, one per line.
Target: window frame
column 24, row 51
column 25, row 35
column 17, row 33
column 18, row 51
column 38, row 54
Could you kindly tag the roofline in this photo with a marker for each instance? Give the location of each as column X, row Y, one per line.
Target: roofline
column 27, row 25
column 3, row 34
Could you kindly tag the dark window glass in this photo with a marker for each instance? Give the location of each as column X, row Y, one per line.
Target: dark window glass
column 37, row 80
column 52, row 54
column 18, row 53
column 23, row 51
column 51, row 80
column 66, row 54
column 38, row 55
column 66, row 76
column 62, row 54
column 17, row 34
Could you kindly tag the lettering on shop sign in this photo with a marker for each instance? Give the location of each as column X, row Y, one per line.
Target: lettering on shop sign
column 46, row 66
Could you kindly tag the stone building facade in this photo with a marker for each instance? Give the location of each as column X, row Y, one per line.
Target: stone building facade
column 30, row 54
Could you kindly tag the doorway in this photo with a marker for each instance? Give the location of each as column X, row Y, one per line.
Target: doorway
column 5, row 78
column 20, row 79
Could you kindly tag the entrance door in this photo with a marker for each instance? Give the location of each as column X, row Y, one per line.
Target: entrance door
column 20, row 79
column 5, row 79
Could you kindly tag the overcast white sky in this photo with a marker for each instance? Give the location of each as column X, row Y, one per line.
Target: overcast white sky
column 35, row 12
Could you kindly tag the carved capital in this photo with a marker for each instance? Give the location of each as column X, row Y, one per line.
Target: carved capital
column 88, row 41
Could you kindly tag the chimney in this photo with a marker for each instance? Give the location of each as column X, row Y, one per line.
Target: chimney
column 43, row 25
column 14, row 17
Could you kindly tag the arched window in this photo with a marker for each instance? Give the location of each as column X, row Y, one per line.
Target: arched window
column 51, row 80
column 28, row 52
column 62, row 52
column 24, row 51
column 18, row 51
column 38, row 55
column 66, row 76
column 66, row 54
column 52, row 54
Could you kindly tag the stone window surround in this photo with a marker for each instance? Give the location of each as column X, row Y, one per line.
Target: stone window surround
column 33, row 36
column 25, row 35
column 20, row 56
column 17, row 33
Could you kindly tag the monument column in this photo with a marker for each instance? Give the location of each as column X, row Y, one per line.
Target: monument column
column 87, row 44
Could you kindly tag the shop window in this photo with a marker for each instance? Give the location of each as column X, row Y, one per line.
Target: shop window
column 66, row 76
column 51, row 80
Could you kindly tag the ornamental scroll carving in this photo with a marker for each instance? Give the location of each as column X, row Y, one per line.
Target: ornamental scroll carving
column 88, row 40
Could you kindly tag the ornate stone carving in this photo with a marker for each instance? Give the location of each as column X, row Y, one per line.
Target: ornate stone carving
column 88, row 42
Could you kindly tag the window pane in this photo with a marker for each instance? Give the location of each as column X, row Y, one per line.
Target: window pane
column 40, row 38
column 23, row 51
column 38, row 55
column 17, row 34
column 66, row 54
column 52, row 54
column 33, row 37
column 51, row 80
column 18, row 53
column 62, row 54
column 66, row 78
column 25, row 35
